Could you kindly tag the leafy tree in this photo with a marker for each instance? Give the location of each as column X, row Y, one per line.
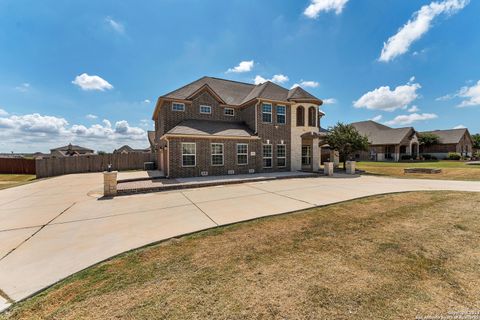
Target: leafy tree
column 101, row 152
column 428, row 139
column 346, row 140
column 476, row 141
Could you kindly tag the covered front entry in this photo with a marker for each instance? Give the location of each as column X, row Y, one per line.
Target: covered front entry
column 310, row 153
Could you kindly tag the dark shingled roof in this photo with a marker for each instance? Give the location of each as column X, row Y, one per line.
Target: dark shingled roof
column 379, row 134
column 452, row 136
column 72, row 147
column 212, row 128
column 238, row 93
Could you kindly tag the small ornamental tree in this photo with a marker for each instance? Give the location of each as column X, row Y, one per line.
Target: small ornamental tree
column 428, row 139
column 346, row 140
column 476, row 141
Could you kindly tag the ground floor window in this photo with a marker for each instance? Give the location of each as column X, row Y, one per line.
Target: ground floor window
column 281, row 155
column 306, row 155
column 242, row 153
column 189, row 154
column 217, row 154
column 267, row 155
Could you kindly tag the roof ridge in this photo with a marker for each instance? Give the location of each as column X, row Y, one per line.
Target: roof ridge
column 235, row 81
column 188, row 84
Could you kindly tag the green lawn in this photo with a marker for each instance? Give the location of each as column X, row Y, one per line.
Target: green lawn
column 396, row 256
column 451, row 170
column 12, row 180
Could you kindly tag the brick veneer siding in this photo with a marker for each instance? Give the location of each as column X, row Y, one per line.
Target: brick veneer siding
column 203, row 157
column 168, row 118
column 275, row 133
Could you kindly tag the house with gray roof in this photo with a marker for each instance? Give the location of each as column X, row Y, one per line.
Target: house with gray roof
column 215, row 126
column 453, row 140
column 387, row 144
column 70, row 150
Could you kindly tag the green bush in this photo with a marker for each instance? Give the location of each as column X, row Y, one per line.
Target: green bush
column 406, row 157
column 454, row 156
column 429, row 157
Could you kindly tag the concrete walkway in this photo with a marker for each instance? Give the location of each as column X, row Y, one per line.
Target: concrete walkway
column 53, row 228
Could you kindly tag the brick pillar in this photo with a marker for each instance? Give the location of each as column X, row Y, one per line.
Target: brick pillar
column 328, row 168
column 351, row 167
column 110, row 184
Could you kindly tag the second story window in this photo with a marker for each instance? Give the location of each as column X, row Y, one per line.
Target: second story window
column 281, row 114
column 229, row 112
column 178, row 106
column 300, row 116
column 266, row 113
column 205, row 109
column 312, row 117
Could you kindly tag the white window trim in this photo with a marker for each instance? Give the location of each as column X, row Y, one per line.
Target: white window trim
column 271, row 155
column 242, row 154
column 285, row 157
column 178, row 103
column 285, row 114
column 189, row 154
column 217, row 154
column 229, row 115
column 270, row 113
column 203, row 105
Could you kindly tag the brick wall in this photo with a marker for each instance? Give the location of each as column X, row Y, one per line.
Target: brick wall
column 203, row 157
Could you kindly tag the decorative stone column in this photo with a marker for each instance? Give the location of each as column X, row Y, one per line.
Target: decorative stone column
column 110, row 183
column 328, row 168
column 351, row 167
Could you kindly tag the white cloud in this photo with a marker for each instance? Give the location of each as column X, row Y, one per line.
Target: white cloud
column 471, row 96
column 385, row 99
column 411, row 118
column 36, row 131
column 460, row 126
column 91, row 116
column 446, row 97
column 416, row 27
column 306, row 84
column 318, row 6
column 377, row 118
column 278, row 78
column 23, row 87
column 329, row 101
column 115, row 25
column 3, row 112
column 244, row 66
column 146, row 101
column 413, row 109
column 87, row 82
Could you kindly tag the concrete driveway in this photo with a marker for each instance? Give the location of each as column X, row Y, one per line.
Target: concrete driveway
column 53, row 228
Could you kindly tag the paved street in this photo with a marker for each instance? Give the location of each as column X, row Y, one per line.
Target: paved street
column 56, row 227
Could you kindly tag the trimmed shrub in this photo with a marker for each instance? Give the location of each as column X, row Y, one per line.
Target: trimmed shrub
column 454, row 156
column 429, row 157
column 406, row 157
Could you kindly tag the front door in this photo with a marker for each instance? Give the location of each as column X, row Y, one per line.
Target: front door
column 306, row 157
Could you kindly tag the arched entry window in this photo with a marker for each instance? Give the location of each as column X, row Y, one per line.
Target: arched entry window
column 312, row 117
column 300, row 116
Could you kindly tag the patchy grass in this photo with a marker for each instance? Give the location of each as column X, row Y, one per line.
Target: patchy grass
column 12, row 180
column 386, row 257
column 451, row 170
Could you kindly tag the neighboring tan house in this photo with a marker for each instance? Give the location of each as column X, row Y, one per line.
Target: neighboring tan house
column 454, row 140
column 216, row 127
column 70, row 151
column 127, row 149
column 387, row 144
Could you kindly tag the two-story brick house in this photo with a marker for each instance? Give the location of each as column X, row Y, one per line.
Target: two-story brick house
column 217, row 127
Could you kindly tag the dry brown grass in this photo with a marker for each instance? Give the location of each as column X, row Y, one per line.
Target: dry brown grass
column 13, row 180
column 386, row 257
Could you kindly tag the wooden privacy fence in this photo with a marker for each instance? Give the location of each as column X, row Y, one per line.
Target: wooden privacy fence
column 17, row 166
column 92, row 163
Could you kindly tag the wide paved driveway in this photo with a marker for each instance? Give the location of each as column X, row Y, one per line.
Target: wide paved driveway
column 56, row 227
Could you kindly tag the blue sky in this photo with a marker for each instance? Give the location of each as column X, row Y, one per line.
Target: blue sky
column 89, row 72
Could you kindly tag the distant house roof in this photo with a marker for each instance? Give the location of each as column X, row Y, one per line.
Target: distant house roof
column 211, row 128
column 237, row 93
column 452, row 136
column 379, row 134
column 72, row 147
column 128, row 149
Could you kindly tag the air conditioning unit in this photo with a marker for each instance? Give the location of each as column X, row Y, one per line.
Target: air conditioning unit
column 251, row 170
column 231, row 171
column 204, row 173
